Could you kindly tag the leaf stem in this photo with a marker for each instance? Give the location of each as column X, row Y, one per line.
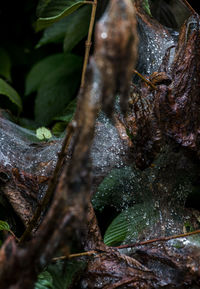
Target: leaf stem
column 88, row 43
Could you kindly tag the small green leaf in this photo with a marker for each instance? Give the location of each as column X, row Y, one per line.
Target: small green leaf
column 7, row 90
column 51, row 11
column 5, row 64
column 45, row 281
column 4, row 226
column 43, row 133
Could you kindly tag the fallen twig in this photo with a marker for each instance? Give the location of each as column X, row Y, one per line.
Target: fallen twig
column 161, row 239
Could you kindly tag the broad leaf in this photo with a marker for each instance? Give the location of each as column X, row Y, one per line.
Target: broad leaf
column 120, row 188
column 41, row 70
column 45, row 281
column 5, row 64
column 130, row 223
column 51, row 11
column 71, row 28
column 77, row 27
column 7, row 90
column 4, row 226
column 57, row 89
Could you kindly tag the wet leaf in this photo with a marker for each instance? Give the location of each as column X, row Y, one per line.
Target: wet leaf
column 130, row 223
column 50, row 11
column 119, row 189
column 11, row 93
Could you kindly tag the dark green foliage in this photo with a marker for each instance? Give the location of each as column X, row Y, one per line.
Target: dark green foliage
column 45, row 67
column 60, row 275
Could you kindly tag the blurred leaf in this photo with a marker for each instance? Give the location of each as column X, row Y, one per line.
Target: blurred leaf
column 45, row 281
column 4, row 226
column 68, row 112
column 73, row 28
column 77, row 27
column 130, row 223
column 58, row 128
column 64, row 273
column 11, row 93
column 5, row 64
column 41, row 70
column 57, row 89
column 51, row 11
column 147, row 7
column 43, row 133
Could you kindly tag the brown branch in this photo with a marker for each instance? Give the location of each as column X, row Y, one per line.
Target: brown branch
column 161, row 239
column 52, row 183
column 88, row 42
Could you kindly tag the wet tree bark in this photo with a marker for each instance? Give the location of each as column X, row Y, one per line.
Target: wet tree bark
column 163, row 127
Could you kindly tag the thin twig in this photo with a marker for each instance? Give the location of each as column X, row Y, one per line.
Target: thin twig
column 145, row 80
column 13, row 234
column 189, row 6
column 89, row 253
column 52, row 183
column 161, row 239
column 88, row 42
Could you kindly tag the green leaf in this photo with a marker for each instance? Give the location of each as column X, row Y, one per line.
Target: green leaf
column 51, row 11
column 147, row 7
column 120, row 188
column 43, row 133
column 41, row 70
column 59, row 128
column 57, row 89
column 130, row 223
column 64, row 273
column 5, row 64
column 77, row 27
column 4, row 226
column 11, row 93
column 68, row 112
column 73, row 28
column 45, row 281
